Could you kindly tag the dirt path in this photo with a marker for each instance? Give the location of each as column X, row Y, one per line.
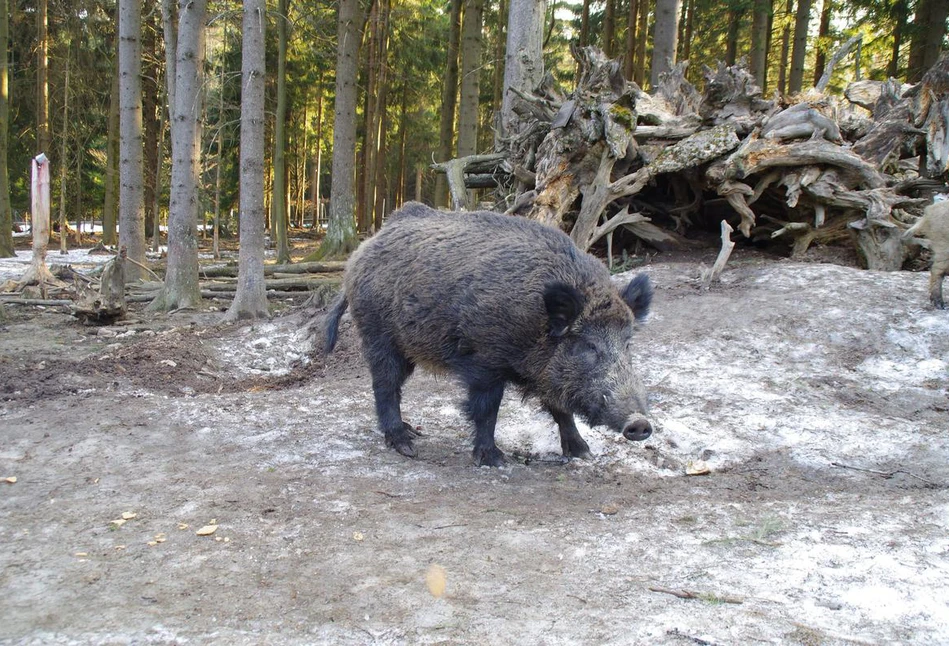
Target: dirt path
column 324, row 536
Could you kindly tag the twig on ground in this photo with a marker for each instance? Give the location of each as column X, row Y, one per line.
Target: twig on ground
column 691, row 594
column 885, row 474
column 675, row 632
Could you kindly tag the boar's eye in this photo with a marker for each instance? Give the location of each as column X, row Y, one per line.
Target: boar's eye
column 587, row 350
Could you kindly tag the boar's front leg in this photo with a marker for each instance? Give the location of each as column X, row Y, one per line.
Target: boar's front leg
column 482, row 406
column 571, row 443
column 939, row 270
column 390, row 369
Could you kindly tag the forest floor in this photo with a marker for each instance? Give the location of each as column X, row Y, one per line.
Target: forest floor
column 816, row 394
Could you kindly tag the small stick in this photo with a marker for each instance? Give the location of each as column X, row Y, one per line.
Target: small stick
column 691, row 594
column 675, row 632
column 885, row 474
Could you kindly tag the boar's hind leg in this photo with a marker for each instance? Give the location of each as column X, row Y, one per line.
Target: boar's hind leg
column 939, row 270
column 482, row 408
column 390, row 369
column 572, row 444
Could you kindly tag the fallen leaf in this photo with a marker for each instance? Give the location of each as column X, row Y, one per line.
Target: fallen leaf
column 81, row 554
column 10, row 480
column 129, row 515
column 118, row 522
column 167, row 362
column 435, row 579
column 697, row 468
column 609, row 510
column 227, row 539
column 207, row 530
column 153, row 543
column 182, row 525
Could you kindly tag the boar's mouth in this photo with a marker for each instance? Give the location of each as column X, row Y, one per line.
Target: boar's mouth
column 634, row 428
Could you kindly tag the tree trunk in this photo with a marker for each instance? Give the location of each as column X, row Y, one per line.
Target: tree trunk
column 822, row 36
column 181, row 287
column 664, row 38
column 131, row 189
column 315, row 192
column 929, row 29
column 470, row 75
column 585, row 24
column 498, row 89
column 159, row 162
column 278, row 205
column 6, row 212
column 169, row 21
column 760, row 21
column 899, row 26
column 643, row 29
column 446, row 127
column 377, row 41
column 64, row 150
column 80, row 157
column 219, row 157
column 524, row 62
column 689, row 30
column 38, row 272
column 399, row 195
column 785, row 49
column 735, row 15
column 380, row 156
column 799, row 48
column 609, row 28
column 110, row 208
column 341, row 230
column 629, row 60
column 43, row 142
column 151, row 77
column 250, row 300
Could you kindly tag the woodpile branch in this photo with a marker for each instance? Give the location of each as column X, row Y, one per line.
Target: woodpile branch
column 668, row 166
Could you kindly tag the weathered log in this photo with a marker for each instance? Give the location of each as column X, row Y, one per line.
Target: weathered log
column 801, row 121
column 691, row 152
column 677, row 91
column 109, row 304
column 326, row 266
column 838, row 56
column 455, row 170
column 8, row 299
column 732, row 96
column 761, row 155
column 715, row 272
column 598, row 118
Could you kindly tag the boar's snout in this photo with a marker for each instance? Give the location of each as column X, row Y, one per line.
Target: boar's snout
column 637, row 431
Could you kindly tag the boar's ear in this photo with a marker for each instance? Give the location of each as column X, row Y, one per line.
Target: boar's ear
column 564, row 304
column 638, row 295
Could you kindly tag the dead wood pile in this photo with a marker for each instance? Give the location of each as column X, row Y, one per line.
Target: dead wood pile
column 674, row 163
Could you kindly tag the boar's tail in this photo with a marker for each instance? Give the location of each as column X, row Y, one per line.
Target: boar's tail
column 332, row 321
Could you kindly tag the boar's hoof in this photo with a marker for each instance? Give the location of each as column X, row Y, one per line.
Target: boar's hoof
column 488, row 457
column 637, row 431
column 576, row 448
column 401, row 440
column 403, row 446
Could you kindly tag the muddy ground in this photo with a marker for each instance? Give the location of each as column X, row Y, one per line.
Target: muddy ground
column 817, row 396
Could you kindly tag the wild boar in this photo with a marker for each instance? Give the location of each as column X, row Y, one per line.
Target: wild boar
column 934, row 226
column 495, row 300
